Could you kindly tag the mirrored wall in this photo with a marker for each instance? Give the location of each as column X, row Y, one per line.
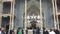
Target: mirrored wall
column 34, row 13
column 19, row 11
column 47, row 8
column 6, row 7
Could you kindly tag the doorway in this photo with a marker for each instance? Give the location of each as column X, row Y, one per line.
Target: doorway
column 59, row 21
column 5, row 22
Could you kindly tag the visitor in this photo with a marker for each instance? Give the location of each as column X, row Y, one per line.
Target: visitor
column 11, row 31
column 15, row 31
column 52, row 31
column 7, row 31
column 3, row 30
column 56, row 31
column 38, row 30
column 0, row 30
column 45, row 31
column 19, row 31
column 59, row 31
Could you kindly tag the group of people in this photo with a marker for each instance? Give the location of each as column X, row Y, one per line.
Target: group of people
column 4, row 31
column 19, row 31
column 51, row 31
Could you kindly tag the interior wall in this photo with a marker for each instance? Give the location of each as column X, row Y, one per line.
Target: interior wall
column 48, row 13
column 19, row 9
column 1, row 7
column 6, row 7
column 47, row 10
column 58, row 4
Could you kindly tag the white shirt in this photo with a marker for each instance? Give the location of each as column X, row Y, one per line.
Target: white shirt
column 52, row 32
column 0, row 32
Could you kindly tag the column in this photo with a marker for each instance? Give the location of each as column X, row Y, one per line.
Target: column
column 57, row 22
column 25, row 14
column 10, row 25
column 1, row 6
column 0, row 20
column 25, row 23
column 54, row 14
column 41, row 22
column 13, row 15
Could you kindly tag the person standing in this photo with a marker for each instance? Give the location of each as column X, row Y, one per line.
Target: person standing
column 56, row 31
column 52, row 31
column 11, row 31
column 3, row 30
column 45, row 31
column 38, row 30
column 59, row 31
column 19, row 31
column 0, row 30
